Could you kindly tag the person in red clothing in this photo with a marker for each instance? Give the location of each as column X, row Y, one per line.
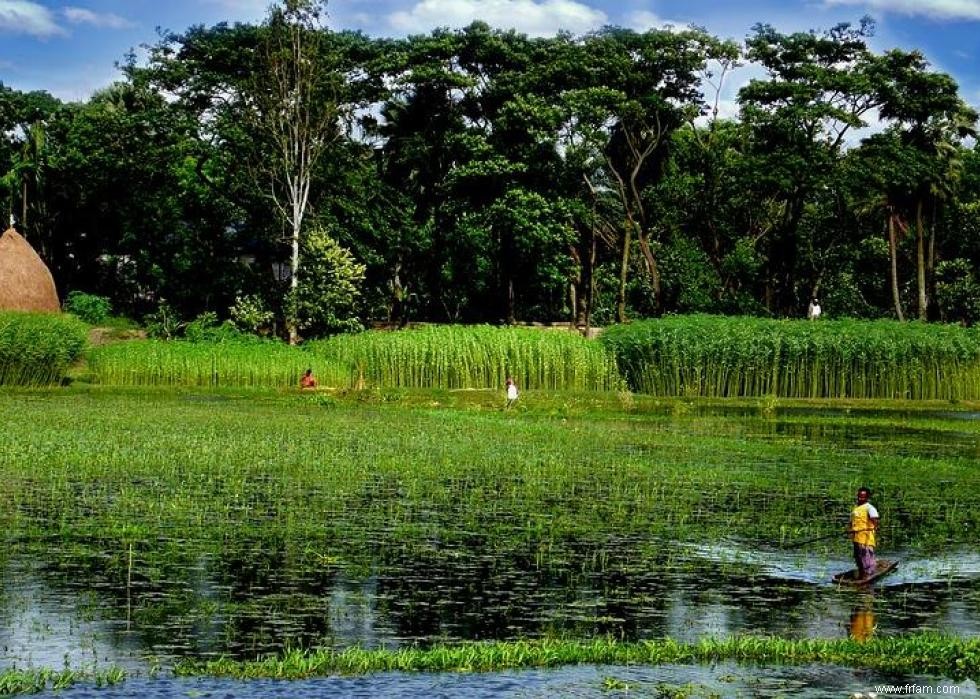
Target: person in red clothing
column 308, row 380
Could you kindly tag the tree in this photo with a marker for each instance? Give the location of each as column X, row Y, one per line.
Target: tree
column 328, row 286
column 818, row 89
column 294, row 99
column 933, row 118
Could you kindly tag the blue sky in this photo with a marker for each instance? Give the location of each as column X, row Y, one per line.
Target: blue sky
column 69, row 48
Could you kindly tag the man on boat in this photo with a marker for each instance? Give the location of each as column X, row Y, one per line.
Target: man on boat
column 864, row 524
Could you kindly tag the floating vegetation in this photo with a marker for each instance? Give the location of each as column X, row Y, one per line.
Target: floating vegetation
column 36, row 348
column 702, row 355
column 914, row 653
column 33, row 681
column 453, row 356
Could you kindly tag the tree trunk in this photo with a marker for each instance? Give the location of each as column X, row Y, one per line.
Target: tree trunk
column 292, row 314
column 590, row 286
column 623, row 271
column 651, row 264
column 893, row 255
column 23, row 208
column 920, row 260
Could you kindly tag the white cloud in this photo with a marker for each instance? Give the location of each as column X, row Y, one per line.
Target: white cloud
column 643, row 20
column 935, row 9
column 79, row 15
column 534, row 18
column 24, row 17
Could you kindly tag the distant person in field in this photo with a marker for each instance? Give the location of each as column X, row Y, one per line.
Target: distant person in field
column 864, row 524
column 814, row 311
column 511, row 392
column 308, row 380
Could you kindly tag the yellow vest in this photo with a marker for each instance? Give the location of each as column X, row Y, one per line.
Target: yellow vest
column 862, row 533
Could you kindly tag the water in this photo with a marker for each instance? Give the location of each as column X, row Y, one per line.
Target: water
column 78, row 600
column 581, row 682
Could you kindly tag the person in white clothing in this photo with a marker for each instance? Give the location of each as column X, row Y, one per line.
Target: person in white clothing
column 813, row 312
column 511, row 392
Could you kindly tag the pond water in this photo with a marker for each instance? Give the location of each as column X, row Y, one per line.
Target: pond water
column 83, row 601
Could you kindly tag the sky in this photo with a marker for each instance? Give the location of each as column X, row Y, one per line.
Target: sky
column 70, row 48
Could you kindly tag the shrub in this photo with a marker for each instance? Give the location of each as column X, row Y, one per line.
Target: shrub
column 88, row 307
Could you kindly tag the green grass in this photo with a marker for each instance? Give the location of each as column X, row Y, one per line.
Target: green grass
column 742, row 356
column 145, row 484
column 35, row 681
column 929, row 654
column 914, row 653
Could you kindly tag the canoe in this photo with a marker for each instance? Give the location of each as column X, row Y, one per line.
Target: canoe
column 849, row 577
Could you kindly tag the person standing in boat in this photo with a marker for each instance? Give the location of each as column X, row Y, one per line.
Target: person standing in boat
column 864, row 525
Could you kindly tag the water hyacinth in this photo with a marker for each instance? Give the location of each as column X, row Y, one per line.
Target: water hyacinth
column 36, row 348
column 719, row 356
column 452, row 356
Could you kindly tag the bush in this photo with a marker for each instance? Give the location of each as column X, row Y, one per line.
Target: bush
column 36, row 348
column 163, row 323
column 206, row 328
column 88, row 307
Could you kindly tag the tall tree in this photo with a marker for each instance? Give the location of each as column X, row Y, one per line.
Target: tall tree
column 933, row 119
column 294, row 95
column 818, row 89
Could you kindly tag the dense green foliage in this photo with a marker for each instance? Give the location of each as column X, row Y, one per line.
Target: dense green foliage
column 90, row 308
column 473, row 357
column 36, row 348
column 483, row 175
column 724, row 356
column 230, row 363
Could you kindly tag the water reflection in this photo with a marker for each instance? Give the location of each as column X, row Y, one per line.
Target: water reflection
column 246, row 602
column 861, row 626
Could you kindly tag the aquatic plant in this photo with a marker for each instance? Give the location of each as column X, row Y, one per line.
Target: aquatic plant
column 932, row 654
column 35, row 680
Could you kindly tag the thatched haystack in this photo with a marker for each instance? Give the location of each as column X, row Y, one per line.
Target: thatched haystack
column 26, row 283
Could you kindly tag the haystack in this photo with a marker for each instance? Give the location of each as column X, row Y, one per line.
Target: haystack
column 26, row 283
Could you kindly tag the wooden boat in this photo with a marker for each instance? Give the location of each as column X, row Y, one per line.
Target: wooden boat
column 849, row 577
